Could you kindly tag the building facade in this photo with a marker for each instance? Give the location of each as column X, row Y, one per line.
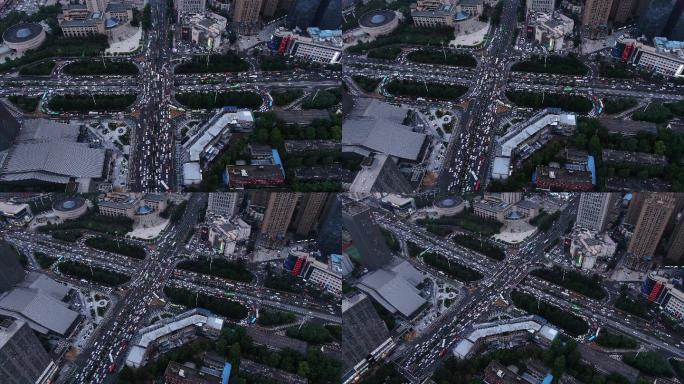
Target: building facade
column 593, row 209
column 246, row 11
column 184, row 7
column 310, row 211
column 363, row 329
column 653, row 218
column 595, row 15
column 278, row 215
column 24, row 360
column 545, row 6
column 222, row 204
column 366, row 236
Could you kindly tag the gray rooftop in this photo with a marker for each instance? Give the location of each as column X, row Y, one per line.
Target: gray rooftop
column 49, row 161
column 393, row 289
column 527, row 204
column 43, row 313
column 628, row 127
column 45, row 285
column 376, row 126
column 383, row 136
column 118, row 7
column 39, row 130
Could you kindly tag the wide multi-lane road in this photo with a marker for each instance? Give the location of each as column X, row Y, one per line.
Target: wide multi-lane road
column 93, row 362
column 419, row 358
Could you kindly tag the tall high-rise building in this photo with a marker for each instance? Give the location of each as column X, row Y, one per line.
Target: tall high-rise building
column 634, row 208
column 653, row 218
column 246, row 11
column 511, row 197
column 674, row 30
column 366, row 236
column 285, row 4
column 654, row 16
column 9, row 128
column 186, row 7
column 302, row 14
column 675, row 247
column 309, row 212
column 223, row 204
column 363, row 330
column 22, row 356
column 379, row 173
column 593, row 210
column 329, row 15
column 269, row 7
column 278, row 215
column 11, row 272
column 545, row 6
column 96, row 5
column 623, row 10
column 259, row 198
column 330, row 229
column 595, row 16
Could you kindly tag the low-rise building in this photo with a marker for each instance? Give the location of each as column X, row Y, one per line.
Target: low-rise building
column 491, row 208
column 70, row 208
column 379, row 22
column 341, row 264
column 171, row 333
column 17, row 213
column 225, row 234
column 211, row 138
column 244, row 176
column 664, row 57
column 176, row 373
column 587, row 247
column 504, row 334
column 327, row 276
column 522, row 140
column 118, row 204
column 628, row 127
column 551, row 29
column 663, row 291
column 155, row 201
column 635, row 158
column 555, row 178
column 78, row 20
column 204, row 29
column 442, row 13
column 449, row 206
column 321, row 46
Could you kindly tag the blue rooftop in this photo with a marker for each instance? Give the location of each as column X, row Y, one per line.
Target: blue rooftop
column 225, row 376
column 461, row 16
column 664, row 43
column 515, row 215
column 591, row 167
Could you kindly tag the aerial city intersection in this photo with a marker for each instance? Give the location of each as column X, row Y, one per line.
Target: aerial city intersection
column 164, row 96
column 468, row 96
column 513, row 288
column 142, row 288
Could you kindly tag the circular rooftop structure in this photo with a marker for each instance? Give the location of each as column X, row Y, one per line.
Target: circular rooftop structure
column 449, row 202
column 111, row 23
column 514, row 215
column 449, row 206
column 144, row 210
column 70, row 207
column 379, row 22
column 460, row 16
column 24, row 36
